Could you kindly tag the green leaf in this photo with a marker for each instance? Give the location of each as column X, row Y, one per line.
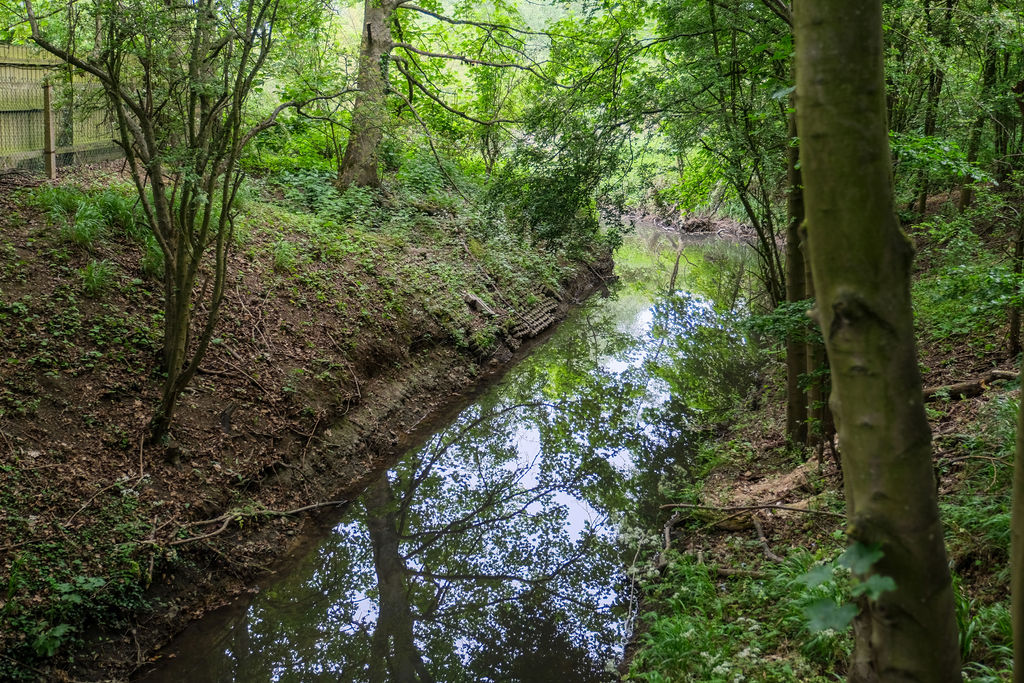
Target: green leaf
column 817, row 576
column 47, row 643
column 826, row 614
column 874, row 586
column 859, row 558
column 784, row 92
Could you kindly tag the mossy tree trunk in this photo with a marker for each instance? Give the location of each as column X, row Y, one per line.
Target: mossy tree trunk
column 861, row 269
column 359, row 165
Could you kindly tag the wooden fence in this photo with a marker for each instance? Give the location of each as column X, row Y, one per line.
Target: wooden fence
column 49, row 118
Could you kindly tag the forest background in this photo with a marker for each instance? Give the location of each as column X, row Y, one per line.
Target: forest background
column 330, row 142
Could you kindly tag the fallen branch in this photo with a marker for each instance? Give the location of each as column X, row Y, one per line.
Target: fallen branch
column 727, row 572
column 1001, row 461
column 968, row 388
column 236, row 515
column 764, row 541
column 747, row 573
column 745, row 508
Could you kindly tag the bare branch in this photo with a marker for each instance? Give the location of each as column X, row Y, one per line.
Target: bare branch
column 780, row 9
column 399, row 61
column 489, row 25
column 478, row 62
column 293, row 104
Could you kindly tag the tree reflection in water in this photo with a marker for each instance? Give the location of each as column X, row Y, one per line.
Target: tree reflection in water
column 493, row 553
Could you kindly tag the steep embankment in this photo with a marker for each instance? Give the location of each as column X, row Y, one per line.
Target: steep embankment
column 348, row 327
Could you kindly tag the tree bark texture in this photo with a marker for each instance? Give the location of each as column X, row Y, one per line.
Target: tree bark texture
column 359, row 166
column 796, row 351
column 861, row 269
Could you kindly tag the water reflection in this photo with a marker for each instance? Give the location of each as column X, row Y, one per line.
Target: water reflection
column 490, row 554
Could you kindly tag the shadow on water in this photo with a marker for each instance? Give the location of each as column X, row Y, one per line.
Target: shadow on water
column 498, row 550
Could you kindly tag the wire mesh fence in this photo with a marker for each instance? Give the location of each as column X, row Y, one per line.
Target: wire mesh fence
column 48, row 113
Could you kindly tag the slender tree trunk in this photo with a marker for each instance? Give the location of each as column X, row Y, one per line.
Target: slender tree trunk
column 1018, row 268
column 861, row 267
column 359, row 165
column 936, row 79
column 988, row 79
column 1017, row 550
column 796, row 350
column 820, row 427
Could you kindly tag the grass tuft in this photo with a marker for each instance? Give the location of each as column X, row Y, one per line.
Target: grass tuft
column 97, row 277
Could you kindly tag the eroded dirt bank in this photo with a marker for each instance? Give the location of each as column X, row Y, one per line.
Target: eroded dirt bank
column 322, row 373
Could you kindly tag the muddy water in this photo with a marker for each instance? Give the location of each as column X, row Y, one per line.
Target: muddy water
column 499, row 550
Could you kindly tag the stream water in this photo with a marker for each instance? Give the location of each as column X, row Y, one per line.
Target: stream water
column 498, row 551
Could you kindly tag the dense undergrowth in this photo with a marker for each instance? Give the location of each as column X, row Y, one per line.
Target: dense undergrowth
column 327, row 290
column 769, row 596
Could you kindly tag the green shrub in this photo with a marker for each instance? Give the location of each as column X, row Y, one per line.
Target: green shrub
column 97, row 277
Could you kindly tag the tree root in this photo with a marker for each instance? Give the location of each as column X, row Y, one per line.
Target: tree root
column 764, row 541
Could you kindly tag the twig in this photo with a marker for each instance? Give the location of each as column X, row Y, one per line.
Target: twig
column 44, row 674
column 1001, row 461
column 7, row 441
column 312, row 433
column 744, row 508
column 229, row 517
column 764, row 541
column 348, row 363
column 89, row 502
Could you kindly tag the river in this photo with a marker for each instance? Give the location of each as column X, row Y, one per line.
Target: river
column 504, row 548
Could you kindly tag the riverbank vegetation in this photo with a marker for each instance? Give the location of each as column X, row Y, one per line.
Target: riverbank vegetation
column 331, row 218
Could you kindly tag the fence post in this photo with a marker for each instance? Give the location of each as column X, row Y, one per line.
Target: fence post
column 49, row 133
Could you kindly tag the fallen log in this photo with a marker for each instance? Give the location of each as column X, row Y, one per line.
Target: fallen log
column 969, row 388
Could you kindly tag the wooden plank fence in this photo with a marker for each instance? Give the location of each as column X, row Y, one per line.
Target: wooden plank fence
column 48, row 119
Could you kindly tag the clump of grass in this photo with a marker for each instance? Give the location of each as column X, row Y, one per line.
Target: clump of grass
column 701, row 629
column 85, row 227
column 97, row 277
column 285, row 256
column 58, row 201
column 121, row 212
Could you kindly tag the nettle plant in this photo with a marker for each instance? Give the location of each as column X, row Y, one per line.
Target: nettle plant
column 832, row 589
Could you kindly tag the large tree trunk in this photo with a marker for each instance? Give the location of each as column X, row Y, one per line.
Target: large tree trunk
column 861, row 269
column 796, row 350
column 359, row 166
